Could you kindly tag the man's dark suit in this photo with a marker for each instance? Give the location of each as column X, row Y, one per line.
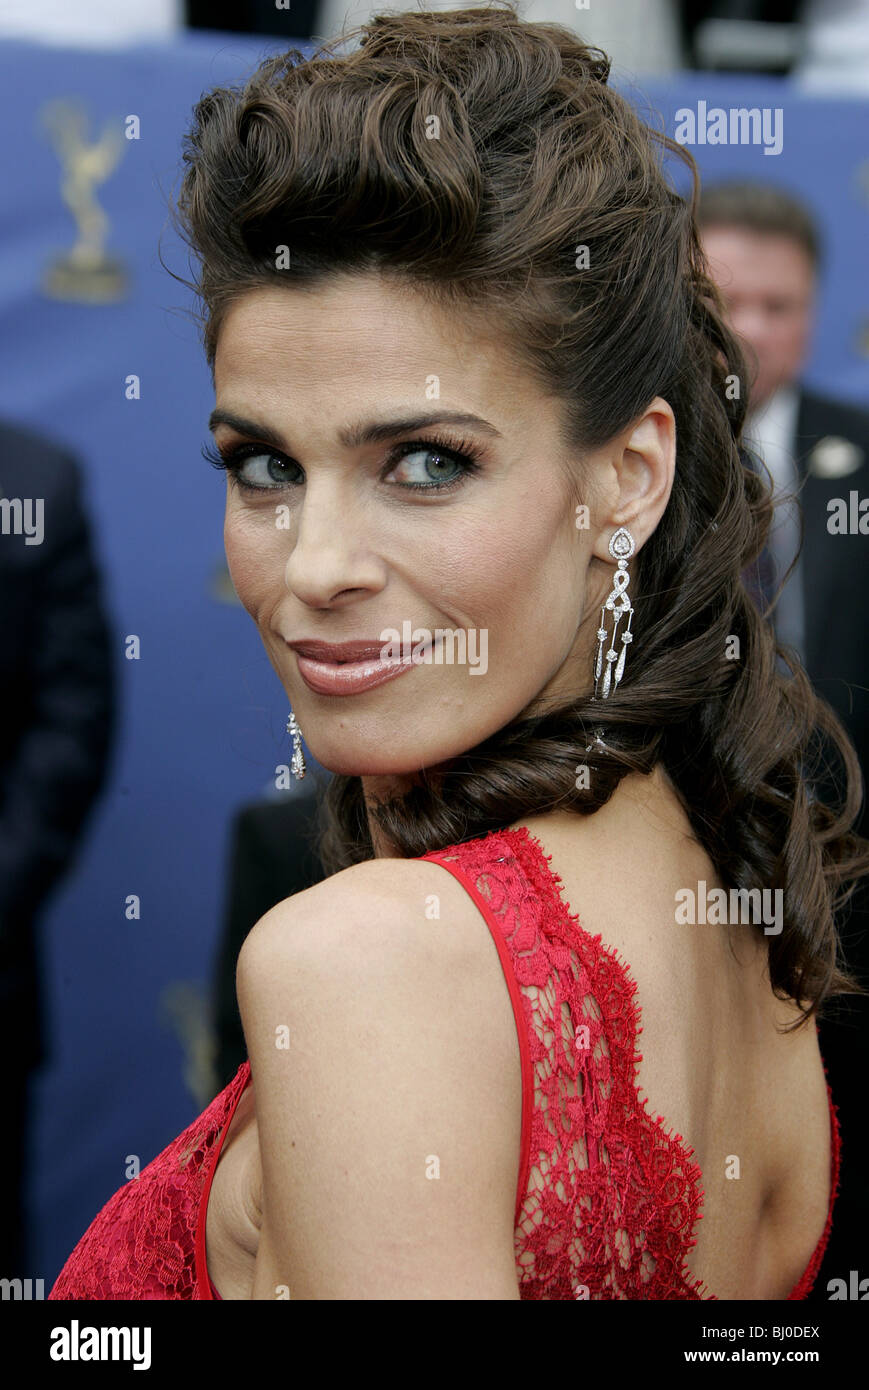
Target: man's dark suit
column 273, row 855
column 834, row 575
column 835, row 568
column 56, row 730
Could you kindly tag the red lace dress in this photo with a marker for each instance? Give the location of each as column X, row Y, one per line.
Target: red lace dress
column 607, row 1197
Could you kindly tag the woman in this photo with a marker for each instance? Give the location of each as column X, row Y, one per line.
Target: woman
column 480, row 416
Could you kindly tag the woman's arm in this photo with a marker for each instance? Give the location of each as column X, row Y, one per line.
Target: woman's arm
column 386, row 1069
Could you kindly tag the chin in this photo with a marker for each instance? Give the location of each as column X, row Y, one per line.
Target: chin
column 384, row 757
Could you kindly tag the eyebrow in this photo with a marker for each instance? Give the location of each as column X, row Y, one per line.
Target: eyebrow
column 352, row 436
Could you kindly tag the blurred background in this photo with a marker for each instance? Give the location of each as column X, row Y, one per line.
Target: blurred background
column 145, row 823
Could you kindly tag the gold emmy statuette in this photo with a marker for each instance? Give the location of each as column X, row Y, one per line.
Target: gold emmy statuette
column 85, row 274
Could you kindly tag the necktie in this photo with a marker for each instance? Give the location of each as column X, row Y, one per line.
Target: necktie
column 760, row 580
column 759, row 577
column 763, row 578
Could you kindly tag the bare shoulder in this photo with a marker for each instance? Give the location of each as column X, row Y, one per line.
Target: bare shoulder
column 385, row 1060
column 381, row 905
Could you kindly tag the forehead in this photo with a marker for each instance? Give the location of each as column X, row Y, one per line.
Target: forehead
column 355, row 331
column 739, row 255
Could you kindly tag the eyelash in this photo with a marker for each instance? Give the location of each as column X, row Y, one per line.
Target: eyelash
column 463, row 452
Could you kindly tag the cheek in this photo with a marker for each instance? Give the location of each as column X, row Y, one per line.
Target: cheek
column 790, row 333
column 514, row 578
column 253, row 554
column 800, row 334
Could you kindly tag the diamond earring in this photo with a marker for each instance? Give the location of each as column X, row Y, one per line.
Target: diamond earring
column 297, row 765
column 610, row 665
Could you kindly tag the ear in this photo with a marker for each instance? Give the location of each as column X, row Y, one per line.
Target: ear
column 643, row 463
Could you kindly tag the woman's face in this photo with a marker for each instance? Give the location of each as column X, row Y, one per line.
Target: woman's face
column 337, row 545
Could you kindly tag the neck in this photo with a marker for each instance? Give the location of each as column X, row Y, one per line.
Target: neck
column 384, row 787
column 377, row 789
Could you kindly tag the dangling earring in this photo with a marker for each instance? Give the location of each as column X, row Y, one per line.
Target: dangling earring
column 611, row 665
column 297, row 765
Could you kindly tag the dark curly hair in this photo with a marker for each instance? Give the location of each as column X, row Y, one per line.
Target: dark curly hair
column 533, row 155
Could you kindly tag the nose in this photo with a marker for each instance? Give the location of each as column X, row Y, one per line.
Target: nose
column 331, row 556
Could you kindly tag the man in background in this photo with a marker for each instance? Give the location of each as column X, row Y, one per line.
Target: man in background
column 764, row 253
column 57, row 683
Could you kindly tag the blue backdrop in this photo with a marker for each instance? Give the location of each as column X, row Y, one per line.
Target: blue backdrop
column 202, row 719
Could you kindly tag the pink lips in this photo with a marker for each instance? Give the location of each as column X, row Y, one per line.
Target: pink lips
column 346, row 668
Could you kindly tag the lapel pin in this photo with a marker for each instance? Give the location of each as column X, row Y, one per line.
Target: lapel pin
column 834, row 457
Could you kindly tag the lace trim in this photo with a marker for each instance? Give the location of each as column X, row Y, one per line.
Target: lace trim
column 204, row 1283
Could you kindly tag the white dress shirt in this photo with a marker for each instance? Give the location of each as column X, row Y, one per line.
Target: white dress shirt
column 769, row 432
